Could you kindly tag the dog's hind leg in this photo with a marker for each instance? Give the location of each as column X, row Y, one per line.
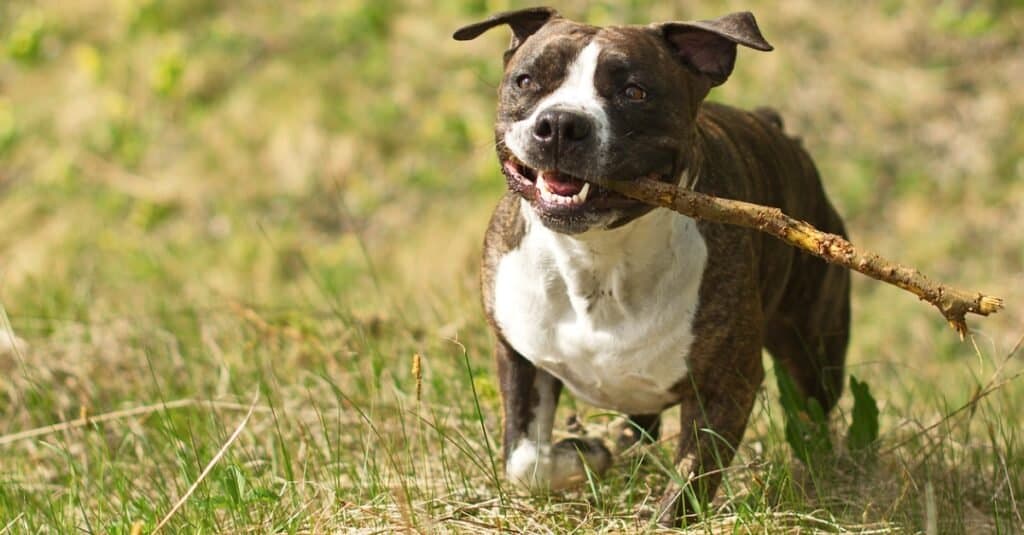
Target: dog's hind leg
column 808, row 336
column 639, row 428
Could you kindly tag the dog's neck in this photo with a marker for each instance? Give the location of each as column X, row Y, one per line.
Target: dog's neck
column 611, row 271
column 606, row 246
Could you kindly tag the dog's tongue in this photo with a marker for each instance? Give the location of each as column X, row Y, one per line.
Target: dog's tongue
column 562, row 184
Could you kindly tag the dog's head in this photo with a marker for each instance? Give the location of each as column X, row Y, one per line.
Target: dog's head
column 580, row 102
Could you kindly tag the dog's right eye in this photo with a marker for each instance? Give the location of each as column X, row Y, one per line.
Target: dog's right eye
column 523, row 81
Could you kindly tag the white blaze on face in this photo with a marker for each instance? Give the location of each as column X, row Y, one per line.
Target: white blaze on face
column 577, row 93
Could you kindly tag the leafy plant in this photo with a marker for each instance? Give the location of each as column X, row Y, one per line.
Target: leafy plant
column 863, row 432
column 25, row 42
column 806, row 423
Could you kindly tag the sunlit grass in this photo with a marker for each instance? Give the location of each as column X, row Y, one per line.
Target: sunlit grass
column 206, row 203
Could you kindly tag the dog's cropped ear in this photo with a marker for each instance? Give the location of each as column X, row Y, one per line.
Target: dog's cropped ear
column 524, row 23
column 709, row 46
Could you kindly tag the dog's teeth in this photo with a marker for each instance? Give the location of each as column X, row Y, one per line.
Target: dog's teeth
column 545, row 193
column 568, row 200
column 542, row 185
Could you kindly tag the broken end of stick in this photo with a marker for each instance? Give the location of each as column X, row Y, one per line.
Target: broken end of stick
column 988, row 304
column 983, row 305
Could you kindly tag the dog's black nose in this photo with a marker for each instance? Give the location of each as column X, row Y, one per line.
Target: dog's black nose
column 555, row 125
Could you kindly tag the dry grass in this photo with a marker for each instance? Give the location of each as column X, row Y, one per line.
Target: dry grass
column 203, row 199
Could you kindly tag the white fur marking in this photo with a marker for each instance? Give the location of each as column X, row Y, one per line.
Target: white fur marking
column 534, row 463
column 577, row 92
column 529, row 464
column 609, row 312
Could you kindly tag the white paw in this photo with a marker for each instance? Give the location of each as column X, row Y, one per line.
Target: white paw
column 541, row 467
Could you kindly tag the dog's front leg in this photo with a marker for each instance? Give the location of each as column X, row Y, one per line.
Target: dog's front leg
column 714, row 415
column 530, row 397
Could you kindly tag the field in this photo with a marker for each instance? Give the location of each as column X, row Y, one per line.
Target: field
column 228, row 230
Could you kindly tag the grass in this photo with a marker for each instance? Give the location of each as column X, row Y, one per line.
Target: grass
column 209, row 203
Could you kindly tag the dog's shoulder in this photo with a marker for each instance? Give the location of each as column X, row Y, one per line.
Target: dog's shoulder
column 504, row 233
column 507, row 226
column 751, row 157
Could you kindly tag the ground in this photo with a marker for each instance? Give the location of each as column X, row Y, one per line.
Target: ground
column 255, row 217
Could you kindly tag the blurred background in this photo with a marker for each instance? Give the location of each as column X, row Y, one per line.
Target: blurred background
column 197, row 196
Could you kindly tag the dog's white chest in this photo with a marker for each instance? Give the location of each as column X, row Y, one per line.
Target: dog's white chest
column 609, row 312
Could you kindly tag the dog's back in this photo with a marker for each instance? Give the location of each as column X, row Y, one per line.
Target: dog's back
column 805, row 301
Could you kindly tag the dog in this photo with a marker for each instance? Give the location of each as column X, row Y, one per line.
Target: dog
column 636, row 309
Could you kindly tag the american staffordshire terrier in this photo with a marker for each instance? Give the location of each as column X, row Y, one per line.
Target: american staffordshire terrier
column 637, row 309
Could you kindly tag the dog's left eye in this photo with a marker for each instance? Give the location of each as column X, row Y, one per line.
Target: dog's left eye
column 635, row 93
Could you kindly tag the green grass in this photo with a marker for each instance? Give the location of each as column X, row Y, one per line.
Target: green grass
column 208, row 203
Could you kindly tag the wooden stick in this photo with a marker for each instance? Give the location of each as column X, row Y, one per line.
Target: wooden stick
column 954, row 304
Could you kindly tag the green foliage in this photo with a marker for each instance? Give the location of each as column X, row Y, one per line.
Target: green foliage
column 25, row 42
column 167, row 72
column 8, row 125
column 149, row 215
column 863, row 432
column 807, row 430
column 806, row 423
column 164, row 15
column 963, row 19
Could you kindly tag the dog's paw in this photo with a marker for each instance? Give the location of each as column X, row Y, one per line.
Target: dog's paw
column 574, row 456
column 558, row 467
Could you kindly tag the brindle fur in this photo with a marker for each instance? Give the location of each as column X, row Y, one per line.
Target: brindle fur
column 756, row 291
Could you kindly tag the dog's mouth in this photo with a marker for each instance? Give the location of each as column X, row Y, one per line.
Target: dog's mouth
column 556, row 192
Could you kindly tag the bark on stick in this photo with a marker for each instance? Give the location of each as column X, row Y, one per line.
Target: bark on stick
column 954, row 304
